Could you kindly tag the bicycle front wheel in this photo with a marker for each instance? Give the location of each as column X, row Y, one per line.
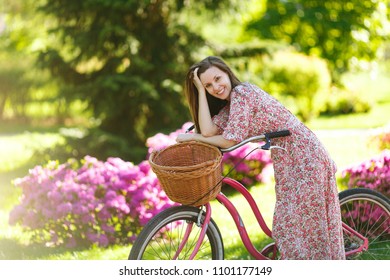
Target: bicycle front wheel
column 162, row 238
column 367, row 212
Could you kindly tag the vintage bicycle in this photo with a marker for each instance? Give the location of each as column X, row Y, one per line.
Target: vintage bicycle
column 189, row 232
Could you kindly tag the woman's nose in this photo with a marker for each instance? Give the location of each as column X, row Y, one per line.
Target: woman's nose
column 215, row 87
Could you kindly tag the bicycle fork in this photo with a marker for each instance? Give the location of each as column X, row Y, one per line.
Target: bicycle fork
column 202, row 234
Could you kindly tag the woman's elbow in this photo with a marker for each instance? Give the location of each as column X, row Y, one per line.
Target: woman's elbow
column 207, row 134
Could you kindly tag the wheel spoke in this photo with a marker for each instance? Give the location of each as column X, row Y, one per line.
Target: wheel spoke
column 368, row 213
column 165, row 235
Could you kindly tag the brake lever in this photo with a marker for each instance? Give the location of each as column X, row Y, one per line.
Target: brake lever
column 277, row 147
column 190, row 129
column 268, row 146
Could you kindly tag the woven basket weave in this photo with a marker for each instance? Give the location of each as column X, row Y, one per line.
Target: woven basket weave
column 189, row 173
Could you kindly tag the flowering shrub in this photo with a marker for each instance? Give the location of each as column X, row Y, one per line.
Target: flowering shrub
column 161, row 141
column 382, row 138
column 88, row 202
column 254, row 168
column 373, row 174
column 94, row 202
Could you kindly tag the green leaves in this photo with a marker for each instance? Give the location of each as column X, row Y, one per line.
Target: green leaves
column 338, row 31
column 127, row 58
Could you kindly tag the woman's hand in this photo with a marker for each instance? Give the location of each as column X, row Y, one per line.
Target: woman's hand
column 185, row 137
column 197, row 81
column 207, row 127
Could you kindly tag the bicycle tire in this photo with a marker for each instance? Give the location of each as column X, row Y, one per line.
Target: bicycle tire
column 368, row 212
column 160, row 238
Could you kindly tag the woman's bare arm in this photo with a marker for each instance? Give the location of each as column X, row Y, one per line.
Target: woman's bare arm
column 216, row 140
column 207, row 127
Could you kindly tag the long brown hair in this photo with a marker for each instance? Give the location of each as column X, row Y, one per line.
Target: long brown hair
column 191, row 92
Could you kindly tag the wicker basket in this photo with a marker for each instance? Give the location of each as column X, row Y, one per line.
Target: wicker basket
column 190, row 173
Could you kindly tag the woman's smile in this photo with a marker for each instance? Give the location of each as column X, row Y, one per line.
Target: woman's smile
column 216, row 82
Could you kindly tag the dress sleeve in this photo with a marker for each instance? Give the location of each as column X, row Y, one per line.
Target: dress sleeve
column 237, row 127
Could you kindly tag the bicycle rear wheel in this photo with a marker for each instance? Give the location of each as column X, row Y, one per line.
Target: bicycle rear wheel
column 161, row 238
column 367, row 212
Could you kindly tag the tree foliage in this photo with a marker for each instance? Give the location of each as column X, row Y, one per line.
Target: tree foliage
column 338, row 31
column 126, row 58
column 16, row 75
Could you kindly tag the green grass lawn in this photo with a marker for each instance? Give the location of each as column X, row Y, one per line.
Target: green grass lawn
column 14, row 243
column 348, row 147
column 234, row 249
column 346, row 138
column 375, row 91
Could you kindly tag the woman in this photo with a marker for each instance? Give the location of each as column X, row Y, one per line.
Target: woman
column 307, row 221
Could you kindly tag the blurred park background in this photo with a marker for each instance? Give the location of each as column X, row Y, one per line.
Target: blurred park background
column 99, row 77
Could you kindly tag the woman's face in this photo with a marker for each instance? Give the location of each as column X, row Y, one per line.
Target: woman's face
column 216, row 82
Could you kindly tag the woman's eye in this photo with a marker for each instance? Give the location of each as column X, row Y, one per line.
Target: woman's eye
column 217, row 78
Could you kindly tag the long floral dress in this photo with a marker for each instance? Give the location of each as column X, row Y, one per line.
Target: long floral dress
column 307, row 221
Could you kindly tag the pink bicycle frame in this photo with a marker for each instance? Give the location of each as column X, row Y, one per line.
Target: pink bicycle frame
column 237, row 218
column 202, row 234
column 362, row 247
column 241, row 227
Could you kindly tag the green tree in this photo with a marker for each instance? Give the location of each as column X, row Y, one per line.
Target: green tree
column 339, row 31
column 127, row 59
column 24, row 88
column 15, row 80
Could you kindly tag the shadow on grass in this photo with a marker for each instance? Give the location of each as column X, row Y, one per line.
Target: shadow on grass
column 238, row 251
column 11, row 249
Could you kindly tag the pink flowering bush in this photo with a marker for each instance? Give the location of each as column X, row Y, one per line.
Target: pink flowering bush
column 88, row 202
column 161, row 141
column 373, row 174
column 80, row 203
column 382, row 138
column 253, row 169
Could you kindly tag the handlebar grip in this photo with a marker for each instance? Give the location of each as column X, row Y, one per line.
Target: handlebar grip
column 276, row 134
column 190, row 128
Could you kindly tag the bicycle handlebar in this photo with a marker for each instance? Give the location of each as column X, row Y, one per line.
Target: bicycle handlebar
column 266, row 136
column 263, row 137
column 277, row 134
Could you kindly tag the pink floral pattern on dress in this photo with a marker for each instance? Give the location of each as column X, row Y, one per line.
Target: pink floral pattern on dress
column 307, row 220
